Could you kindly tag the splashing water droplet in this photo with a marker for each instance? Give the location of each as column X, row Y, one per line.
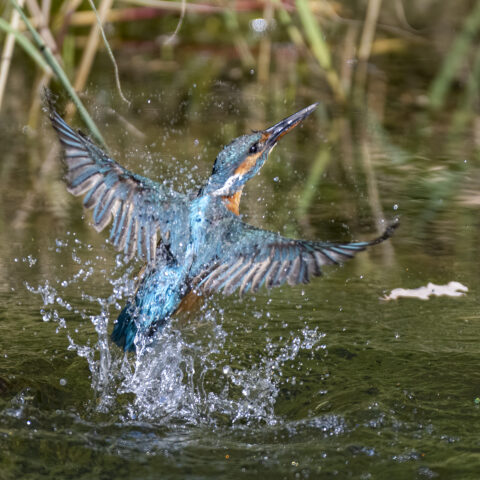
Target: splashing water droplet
column 196, row 375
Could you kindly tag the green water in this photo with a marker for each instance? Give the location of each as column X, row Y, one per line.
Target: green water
column 318, row 381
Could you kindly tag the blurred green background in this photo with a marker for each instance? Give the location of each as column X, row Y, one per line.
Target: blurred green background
column 320, row 381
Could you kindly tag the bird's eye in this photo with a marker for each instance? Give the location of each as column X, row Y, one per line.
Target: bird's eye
column 254, row 148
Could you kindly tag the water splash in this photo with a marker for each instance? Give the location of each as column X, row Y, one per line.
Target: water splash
column 193, row 374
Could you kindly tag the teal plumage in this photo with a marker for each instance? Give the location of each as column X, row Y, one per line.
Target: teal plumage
column 195, row 243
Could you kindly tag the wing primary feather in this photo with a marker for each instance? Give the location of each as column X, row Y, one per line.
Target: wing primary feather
column 303, row 275
column 140, row 249
column 68, row 137
column 259, row 278
column 230, row 267
column 344, row 252
column 235, row 273
column 285, row 266
column 246, row 281
column 122, row 231
column 126, row 235
column 282, row 272
column 91, row 198
column 75, row 161
column 146, row 242
column 85, row 186
column 294, row 271
column 103, row 218
column 76, row 178
column 271, row 273
column 208, row 280
column 313, row 269
column 153, row 244
column 323, row 258
column 75, row 155
column 132, row 243
column 76, row 167
column 143, row 242
column 237, row 276
column 118, row 214
column 344, row 249
column 227, row 278
column 103, row 203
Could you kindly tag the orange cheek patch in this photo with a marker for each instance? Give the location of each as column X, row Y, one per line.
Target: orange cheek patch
column 247, row 164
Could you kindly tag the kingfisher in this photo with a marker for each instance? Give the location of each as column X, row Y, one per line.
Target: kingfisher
column 191, row 245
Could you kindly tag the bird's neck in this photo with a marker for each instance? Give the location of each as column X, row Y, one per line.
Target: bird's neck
column 233, row 202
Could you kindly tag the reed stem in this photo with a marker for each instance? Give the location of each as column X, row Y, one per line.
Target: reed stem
column 8, row 52
column 110, row 53
column 25, row 43
column 62, row 77
column 319, row 47
column 91, row 48
column 454, row 59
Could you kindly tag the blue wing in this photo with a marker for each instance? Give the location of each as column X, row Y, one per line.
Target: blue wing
column 141, row 209
column 257, row 257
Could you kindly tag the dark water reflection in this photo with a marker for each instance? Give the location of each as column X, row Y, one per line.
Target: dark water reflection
column 317, row 381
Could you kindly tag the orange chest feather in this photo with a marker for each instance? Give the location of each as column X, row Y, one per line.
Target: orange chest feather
column 190, row 302
column 233, row 202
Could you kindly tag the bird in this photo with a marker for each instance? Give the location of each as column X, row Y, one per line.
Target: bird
column 191, row 245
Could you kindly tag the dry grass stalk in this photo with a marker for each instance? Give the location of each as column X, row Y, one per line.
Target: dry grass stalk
column 179, row 24
column 319, row 47
column 175, row 6
column 366, row 41
column 91, row 48
column 110, row 53
column 46, row 7
column 7, row 52
column 369, row 28
column 42, row 28
column 59, row 72
column 264, row 54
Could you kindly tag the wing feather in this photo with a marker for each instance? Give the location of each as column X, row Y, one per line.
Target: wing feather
column 210, row 279
column 139, row 207
column 272, row 273
column 246, row 283
column 294, row 272
column 256, row 257
column 225, row 277
column 259, row 276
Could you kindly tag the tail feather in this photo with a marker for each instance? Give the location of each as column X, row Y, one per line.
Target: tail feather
column 155, row 301
column 125, row 330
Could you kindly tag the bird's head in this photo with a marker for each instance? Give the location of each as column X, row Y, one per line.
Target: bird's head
column 239, row 161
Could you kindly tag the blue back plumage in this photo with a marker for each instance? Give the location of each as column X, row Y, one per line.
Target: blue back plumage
column 156, row 299
column 125, row 329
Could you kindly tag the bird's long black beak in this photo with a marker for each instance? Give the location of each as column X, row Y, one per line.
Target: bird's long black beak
column 283, row 127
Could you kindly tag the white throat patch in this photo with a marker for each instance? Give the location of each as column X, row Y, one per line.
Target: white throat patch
column 225, row 190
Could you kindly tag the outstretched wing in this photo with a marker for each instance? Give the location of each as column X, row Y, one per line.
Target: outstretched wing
column 141, row 209
column 257, row 257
